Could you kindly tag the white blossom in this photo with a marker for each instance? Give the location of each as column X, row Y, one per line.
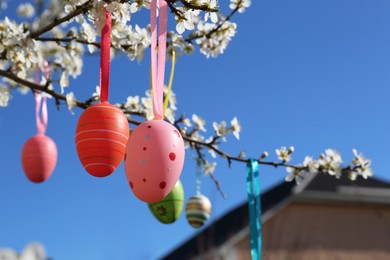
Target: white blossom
column 199, row 122
column 187, row 22
column 64, row 80
column 33, row 251
column 96, row 94
column 240, row 4
column 26, row 10
column 148, row 107
column 170, row 115
column 136, row 40
column 188, row 48
column 221, row 130
column 120, row 12
column 19, row 52
column 312, row 165
column 236, row 128
column 197, row 137
column 177, row 40
column 4, row 96
column 283, row 154
column 68, row 8
column 212, row 15
column 8, row 254
column 133, row 103
column 264, row 155
column 330, row 162
column 242, row 154
column 98, row 15
column 138, row 4
column 71, row 101
column 71, row 60
column 209, row 168
column 211, row 151
column 363, row 165
column 171, row 98
column 352, row 175
column 216, row 43
column 295, row 174
column 89, row 34
column 187, row 122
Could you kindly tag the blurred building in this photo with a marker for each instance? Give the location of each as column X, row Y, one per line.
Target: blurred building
column 324, row 218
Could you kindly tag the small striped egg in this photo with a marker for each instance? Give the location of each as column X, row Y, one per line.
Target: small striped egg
column 168, row 210
column 198, row 210
column 101, row 137
column 39, row 158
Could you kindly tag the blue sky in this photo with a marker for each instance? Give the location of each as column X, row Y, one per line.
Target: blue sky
column 310, row 74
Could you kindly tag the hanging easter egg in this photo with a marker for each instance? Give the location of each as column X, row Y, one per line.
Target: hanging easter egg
column 198, row 209
column 39, row 158
column 101, row 137
column 169, row 208
column 154, row 160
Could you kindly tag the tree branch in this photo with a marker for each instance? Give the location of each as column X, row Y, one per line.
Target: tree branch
column 211, row 32
column 203, row 7
column 195, row 144
column 69, row 39
column 216, row 182
column 57, row 21
column 36, row 87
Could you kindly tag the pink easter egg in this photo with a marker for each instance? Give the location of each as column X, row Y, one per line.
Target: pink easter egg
column 39, row 158
column 154, row 160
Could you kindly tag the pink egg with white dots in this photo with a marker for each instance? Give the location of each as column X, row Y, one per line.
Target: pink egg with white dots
column 154, row 159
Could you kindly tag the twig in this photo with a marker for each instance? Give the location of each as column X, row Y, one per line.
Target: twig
column 211, row 32
column 204, row 7
column 68, row 39
column 203, row 161
column 174, row 10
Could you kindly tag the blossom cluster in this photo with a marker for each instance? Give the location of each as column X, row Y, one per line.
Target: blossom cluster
column 329, row 162
column 33, row 251
column 19, row 54
column 25, row 46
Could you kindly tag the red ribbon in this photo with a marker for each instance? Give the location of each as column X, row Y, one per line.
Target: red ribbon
column 158, row 66
column 105, row 59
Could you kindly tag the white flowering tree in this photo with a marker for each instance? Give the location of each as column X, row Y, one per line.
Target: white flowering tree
column 55, row 35
column 33, row 251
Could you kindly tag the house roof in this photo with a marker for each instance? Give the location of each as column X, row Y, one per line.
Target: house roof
column 318, row 188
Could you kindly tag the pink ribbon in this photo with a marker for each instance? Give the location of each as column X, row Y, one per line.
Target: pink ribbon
column 105, row 59
column 158, row 66
column 40, row 103
column 41, row 120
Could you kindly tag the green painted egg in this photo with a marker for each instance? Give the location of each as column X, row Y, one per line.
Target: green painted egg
column 169, row 208
column 198, row 210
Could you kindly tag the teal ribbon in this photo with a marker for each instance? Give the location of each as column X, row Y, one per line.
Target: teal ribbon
column 253, row 190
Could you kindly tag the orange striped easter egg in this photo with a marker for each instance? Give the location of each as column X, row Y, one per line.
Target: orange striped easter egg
column 101, row 137
column 39, row 158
